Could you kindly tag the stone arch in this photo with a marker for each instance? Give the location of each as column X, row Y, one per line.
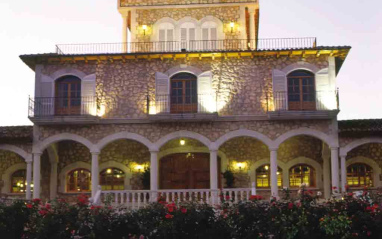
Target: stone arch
column 349, row 147
column 182, row 134
column 125, row 135
column 242, row 133
column 6, row 177
column 302, row 65
column 67, row 169
column 41, row 146
column 67, row 71
column 306, row 131
column 304, row 160
column 155, row 33
column 188, row 19
column 374, row 165
column 124, row 168
column 259, row 163
column 26, row 156
column 183, row 68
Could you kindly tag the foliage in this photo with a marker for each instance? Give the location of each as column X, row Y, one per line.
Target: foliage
column 145, row 177
column 229, row 178
column 303, row 217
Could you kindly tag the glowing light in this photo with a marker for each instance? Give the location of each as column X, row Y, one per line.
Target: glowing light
column 182, row 142
column 18, row 184
column 102, row 110
column 266, row 167
column 139, row 167
column 241, row 166
column 232, row 25
column 118, row 176
column 22, row 185
column 144, row 27
column 108, row 171
column 278, row 173
column 32, row 185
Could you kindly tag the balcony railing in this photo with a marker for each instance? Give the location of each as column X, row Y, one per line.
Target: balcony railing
column 132, row 3
column 315, row 101
column 188, row 46
column 61, row 106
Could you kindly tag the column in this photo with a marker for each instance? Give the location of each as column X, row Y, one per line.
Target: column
column 335, row 168
column 214, row 175
column 95, row 173
column 53, row 180
column 29, row 179
column 274, row 188
column 326, row 174
column 124, row 33
column 154, row 175
column 36, row 175
column 252, row 32
column 343, row 173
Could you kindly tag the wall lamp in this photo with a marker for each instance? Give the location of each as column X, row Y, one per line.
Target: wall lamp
column 232, row 25
column 144, row 27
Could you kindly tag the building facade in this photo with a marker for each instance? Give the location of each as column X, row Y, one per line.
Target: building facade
column 190, row 97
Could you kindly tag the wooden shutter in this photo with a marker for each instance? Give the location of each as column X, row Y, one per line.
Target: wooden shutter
column 325, row 96
column 170, row 39
column 162, row 97
column 206, row 99
column 162, row 35
column 88, row 101
column 192, row 38
column 214, row 34
column 280, row 92
column 45, row 105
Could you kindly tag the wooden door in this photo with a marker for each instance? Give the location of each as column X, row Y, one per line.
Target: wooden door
column 301, row 91
column 184, row 94
column 68, row 96
column 185, row 171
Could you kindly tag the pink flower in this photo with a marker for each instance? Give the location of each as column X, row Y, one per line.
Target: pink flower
column 29, row 205
column 47, row 206
column 43, row 212
column 36, row 200
column 169, row 216
column 290, row 205
column 183, row 210
column 227, row 197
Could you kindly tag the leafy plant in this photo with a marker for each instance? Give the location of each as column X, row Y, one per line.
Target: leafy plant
column 229, row 177
column 145, row 177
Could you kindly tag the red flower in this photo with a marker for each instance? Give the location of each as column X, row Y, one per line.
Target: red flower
column 48, row 206
column 170, row 209
column 350, row 194
column 368, row 208
column 227, row 197
column 255, row 197
column 43, row 212
column 83, row 199
column 183, row 210
column 36, row 200
column 368, row 233
column 29, row 205
column 310, row 191
column 290, row 205
column 347, row 187
column 169, row 216
column 334, row 188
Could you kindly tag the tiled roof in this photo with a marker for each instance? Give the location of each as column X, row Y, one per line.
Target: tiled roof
column 372, row 126
column 12, row 134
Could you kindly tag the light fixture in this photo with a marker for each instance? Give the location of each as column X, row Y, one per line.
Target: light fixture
column 240, row 166
column 182, row 142
column 144, row 27
column 266, row 167
column 232, row 25
column 108, row 171
column 139, row 167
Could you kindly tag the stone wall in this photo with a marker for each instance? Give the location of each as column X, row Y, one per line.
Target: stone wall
column 371, row 151
column 8, row 159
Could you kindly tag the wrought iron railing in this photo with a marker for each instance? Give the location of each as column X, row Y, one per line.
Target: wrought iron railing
column 314, row 101
column 188, row 46
column 132, row 3
column 62, row 106
column 183, row 104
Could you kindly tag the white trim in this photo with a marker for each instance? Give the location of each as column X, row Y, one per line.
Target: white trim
column 183, row 68
column 374, row 165
column 182, row 134
column 6, row 177
column 41, row 146
column 242, row 133
column 349, row 147
column 259, row 163
column 69, row 168
column 301, row 65
column 124, row 168
column 67, row 72
column 7, row 147
column 124, row 135
column 330, row 141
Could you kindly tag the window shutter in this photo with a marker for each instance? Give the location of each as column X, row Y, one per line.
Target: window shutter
column 170, row 35
column 280, row 92
column 214, row 34
column 192, row 38
column 205, row 34
column 162, row 35
column 88, row 85
column 206, row 99
column 45, row 105
column 324, row 95
column 162, row 97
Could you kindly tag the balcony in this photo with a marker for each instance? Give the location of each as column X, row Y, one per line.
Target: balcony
column 140, row 3
column 60, row 109
column 315, row 105
column 228, row 45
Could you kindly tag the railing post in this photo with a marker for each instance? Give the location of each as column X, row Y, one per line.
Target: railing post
column 253, row 189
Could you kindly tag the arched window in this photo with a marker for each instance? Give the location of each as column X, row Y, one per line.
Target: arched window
column 359, row 175
column 209, row 35
column 68, row 96
column 78, row 180
column 300, row 174
column 187, row 35
column 263, row 177
column 301, row 90
column 19, row 181
column 166, row 37
column 112, row 179
column 184, row 96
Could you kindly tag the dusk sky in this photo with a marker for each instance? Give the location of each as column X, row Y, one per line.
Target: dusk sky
column 29, row 27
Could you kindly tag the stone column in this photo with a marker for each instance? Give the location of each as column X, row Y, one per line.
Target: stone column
column 252, row 32
column 36, row 175
column 154, row 175
column 124, row 33
column 29, row 179
column 53, row 180
column 343, row 172
column 274, row 188
column 95, row 173
column 214, row 174
column 335, row 168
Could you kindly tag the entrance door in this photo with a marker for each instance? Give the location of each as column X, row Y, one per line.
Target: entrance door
column 68, row 96
column 301, row 91
column 184, row 93
column 186, row 171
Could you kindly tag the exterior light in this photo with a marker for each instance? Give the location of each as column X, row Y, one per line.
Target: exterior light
column 240, row 165
column 266, row 167
column 108, row 171
column 182, row 142
column 232, row 25
column 139, row 167
column 278, row 173
column 32, row 185
column 118, row 176
column 144, row 27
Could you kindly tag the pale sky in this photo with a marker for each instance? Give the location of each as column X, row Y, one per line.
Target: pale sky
column 35, row 26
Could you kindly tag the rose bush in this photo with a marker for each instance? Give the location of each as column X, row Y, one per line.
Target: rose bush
column 303, row 217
